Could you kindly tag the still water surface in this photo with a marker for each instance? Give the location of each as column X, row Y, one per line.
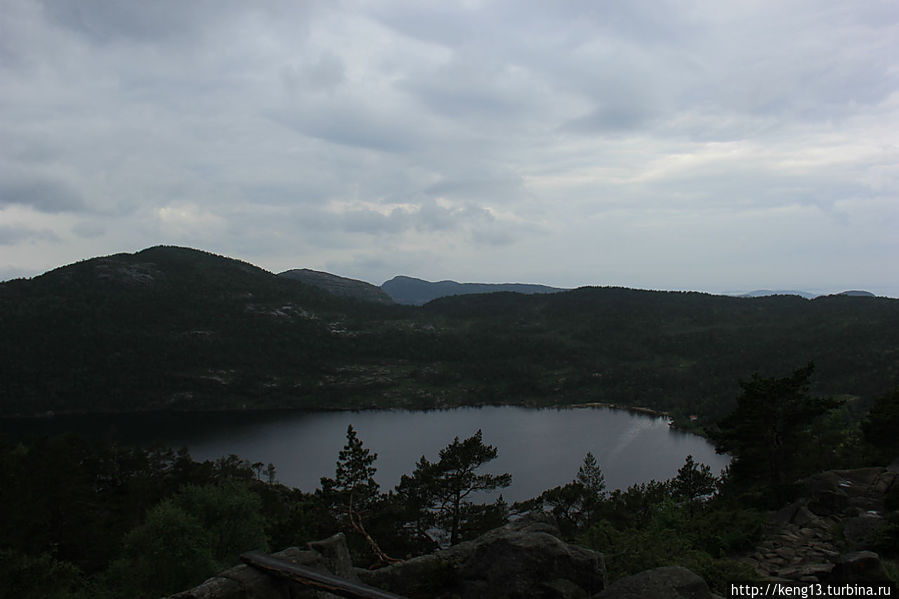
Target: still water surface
column 541, row 448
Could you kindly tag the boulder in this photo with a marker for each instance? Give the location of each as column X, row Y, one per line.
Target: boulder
column 828, row 502
column 244, row 582
column 858, row 566
column 886, row 481
column 337, row 556
column 860, row 531
column 670, row 582
column 523, row 559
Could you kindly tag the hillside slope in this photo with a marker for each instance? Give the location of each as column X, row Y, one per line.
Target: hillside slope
column 341, row 286
column 180, row 329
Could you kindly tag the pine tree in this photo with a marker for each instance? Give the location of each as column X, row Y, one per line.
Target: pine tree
column 769, row 427
column 353, row 492
column 444, row 488
column 591, row 477
column 593, row 484
column 693, row 482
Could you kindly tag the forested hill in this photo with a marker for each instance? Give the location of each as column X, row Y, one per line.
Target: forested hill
column 409, row 290
column 174, row 328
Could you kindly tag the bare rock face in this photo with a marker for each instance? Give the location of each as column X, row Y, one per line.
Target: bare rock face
column 671, row 582
column 520, row 560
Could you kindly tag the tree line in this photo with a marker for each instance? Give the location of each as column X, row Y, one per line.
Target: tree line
column 89, row 519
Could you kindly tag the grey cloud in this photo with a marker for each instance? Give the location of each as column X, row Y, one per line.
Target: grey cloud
column 105, row 21
column 325, row 73
column 15, row 235
column 492, row 237
column 288, row 193
column 753, row 187
column 89, row 229
column 433, row 217
column 266, row 121
column 472, row 87
column 355, row 127
column 476, row 183
column 375, row 223
column 43, row 195
column 609, row 119
column 435, row 23
column 428, row 217
column 168, row 21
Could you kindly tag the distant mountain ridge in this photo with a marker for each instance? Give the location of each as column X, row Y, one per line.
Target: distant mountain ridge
column 857, row 293
column 767, row 292
column 337, row 285
column 805, row 294
column 416, row 292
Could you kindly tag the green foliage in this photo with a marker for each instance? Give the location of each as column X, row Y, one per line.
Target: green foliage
column 231, row 515
column 590, row 476
column 355, row 472
column 567, row 504
column 187, row 538
column 293, row 518
column 836, row 440
column 439, row 494
column 631, row 550
column 41, row 577
column 693, row 483
column 89, row 512
column 353, row 492
column 881, row 425
column 718, row 573
column 636, row 506
column 669, row 536
column 723, row 530
column 170, row 551
column 576, row 504
column 770, row 426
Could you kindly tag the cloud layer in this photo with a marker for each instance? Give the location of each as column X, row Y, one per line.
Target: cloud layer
column 679, row 145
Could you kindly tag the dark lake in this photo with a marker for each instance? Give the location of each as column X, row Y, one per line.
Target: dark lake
column 541, row 448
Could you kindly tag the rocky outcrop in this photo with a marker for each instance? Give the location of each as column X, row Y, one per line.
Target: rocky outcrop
column 672, row 582
column 243, row 582
column 524, row 559
column 814, row 538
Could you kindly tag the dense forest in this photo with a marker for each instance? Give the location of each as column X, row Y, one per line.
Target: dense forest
column 179, row 329
column 89, row 519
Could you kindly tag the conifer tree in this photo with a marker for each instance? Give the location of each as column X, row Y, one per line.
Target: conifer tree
column 769, row 427
column 353, row 492
column 693, row 482
column 593, row 486
column 444, row 488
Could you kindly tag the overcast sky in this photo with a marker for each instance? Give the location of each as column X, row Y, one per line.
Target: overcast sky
column 716, row 146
